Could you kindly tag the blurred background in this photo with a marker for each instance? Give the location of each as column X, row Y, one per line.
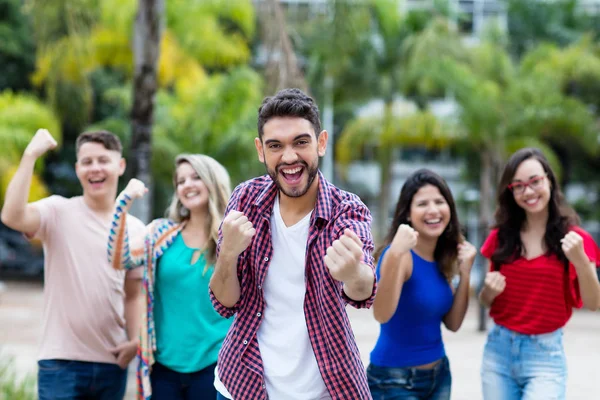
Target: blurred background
column 452, row 85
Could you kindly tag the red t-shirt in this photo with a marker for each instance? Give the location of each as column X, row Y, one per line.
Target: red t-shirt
column 538, row 297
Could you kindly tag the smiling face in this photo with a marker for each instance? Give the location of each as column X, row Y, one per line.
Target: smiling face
column 98, row 170
column 290, row 151
column 429, row 212
column 191, row 190
column 530, row 187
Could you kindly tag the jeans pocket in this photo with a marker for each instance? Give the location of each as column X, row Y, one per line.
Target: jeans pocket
column 551, row 343
column 385, row 378
column 54, row 365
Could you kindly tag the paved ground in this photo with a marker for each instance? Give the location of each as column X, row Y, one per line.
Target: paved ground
column 21, row 305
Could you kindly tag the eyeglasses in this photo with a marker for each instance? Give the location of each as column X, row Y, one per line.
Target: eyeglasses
column 534, row 183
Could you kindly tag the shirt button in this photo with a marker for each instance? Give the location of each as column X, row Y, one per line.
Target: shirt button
column 258, row 314
column 259, row 286
column 245, row 342
column 264, row 386
column 266, row 259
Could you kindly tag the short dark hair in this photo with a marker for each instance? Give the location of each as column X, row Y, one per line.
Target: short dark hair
column 109, row 140
column 289, row 103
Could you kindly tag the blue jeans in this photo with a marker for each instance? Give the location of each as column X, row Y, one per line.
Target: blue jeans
column 523, row 367
column 171, row 385
column 64, row 379
column 410, row 383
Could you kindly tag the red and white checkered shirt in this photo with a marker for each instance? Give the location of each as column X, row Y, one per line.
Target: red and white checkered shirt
column 240, row 365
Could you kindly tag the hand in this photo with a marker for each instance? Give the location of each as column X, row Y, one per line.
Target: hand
column 41, row 142
column 135, row 189
column 494, row 283
column 125, row 352
column 404, row 240
column 237, row 233
column 344, row 256
column 572, row 246
column 466, row 257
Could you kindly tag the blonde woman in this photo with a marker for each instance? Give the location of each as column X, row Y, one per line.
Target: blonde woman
column 181, row 333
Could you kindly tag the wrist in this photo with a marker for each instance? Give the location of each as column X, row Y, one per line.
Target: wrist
column 397, row 254
column 228, row 257
column 29, row 157
column 359, row 276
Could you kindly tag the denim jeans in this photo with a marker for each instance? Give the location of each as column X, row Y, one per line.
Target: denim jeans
column 523, row 367
column 410, row 383
column 64, row 379
column 171, row 385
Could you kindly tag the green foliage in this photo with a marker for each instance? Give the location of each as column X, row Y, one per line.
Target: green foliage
column 562, row 22
column 11, row 386
column 17, row 47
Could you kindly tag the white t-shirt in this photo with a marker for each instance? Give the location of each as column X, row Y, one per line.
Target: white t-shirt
column 290, row 367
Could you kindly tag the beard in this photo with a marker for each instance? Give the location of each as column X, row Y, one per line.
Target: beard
column 311, row 171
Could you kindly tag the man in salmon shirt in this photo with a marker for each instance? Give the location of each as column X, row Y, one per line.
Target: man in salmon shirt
column 91, row 314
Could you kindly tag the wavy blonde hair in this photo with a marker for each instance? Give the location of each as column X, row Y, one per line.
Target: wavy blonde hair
column 217, row 181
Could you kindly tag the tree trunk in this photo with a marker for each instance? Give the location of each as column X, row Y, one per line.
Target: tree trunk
column 146, row 50
column 486, row 181
column 282, row 69
column 385, row 164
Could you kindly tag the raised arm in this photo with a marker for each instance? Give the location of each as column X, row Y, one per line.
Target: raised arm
column 455, row 317
column 124, row 253
column 235, row 236
column 573, row 246
column 16, row 212
column 349, row 259
column 395, row 268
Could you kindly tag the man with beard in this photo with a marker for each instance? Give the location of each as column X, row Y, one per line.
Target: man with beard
column 293, row 251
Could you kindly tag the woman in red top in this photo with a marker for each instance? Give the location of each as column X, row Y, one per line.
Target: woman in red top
column 542, row 265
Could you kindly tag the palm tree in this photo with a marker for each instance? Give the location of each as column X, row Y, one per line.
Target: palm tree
column 20, row 116
column 146, row 50
column 401, row 58
column 504, row 107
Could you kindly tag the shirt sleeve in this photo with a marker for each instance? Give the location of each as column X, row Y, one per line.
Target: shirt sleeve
column 357, row 218
column 490, row 244
column 234, row 204
column 49, row 209
column 135, row 228
column 592, row 251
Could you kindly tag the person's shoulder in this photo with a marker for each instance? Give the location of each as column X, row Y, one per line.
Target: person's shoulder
column 249, row 190
column 59, row 202
column 493, row 233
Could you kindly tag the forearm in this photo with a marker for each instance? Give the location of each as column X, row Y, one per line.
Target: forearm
column 361, row 286
column 17, row 194
column 133, row 316
column 455, row 317
column 224, row 283
column 486, row 297
column 588, row 284
column 119, row 255
column 389, row 290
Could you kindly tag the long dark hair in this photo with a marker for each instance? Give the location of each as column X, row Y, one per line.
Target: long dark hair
column 446, row 249
column 510, row 217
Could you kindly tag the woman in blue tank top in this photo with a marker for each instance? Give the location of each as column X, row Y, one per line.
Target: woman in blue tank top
column 422, row 252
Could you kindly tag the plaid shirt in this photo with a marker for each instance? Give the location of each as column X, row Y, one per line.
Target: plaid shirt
column 240, row 365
